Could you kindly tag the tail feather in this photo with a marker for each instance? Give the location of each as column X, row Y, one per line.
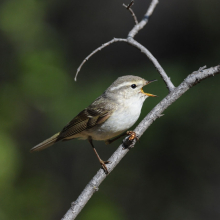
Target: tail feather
column 47, row 143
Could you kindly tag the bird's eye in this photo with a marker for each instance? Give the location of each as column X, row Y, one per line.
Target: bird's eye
column 133, row 86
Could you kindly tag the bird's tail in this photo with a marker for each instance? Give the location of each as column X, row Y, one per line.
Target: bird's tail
column 47, row 143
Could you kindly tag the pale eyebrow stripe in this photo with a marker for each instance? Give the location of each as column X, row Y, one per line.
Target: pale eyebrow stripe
column 121, row 85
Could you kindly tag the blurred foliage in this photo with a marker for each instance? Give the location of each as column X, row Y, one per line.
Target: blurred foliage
column 173, row 173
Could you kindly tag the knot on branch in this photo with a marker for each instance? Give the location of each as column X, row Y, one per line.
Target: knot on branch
column 73, row 204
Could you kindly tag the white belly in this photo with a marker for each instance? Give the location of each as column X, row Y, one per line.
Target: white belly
column 120, row 121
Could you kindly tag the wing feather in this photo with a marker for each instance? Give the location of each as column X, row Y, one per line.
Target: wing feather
column 93, row 115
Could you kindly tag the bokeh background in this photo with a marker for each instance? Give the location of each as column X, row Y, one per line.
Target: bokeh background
column 173, row 173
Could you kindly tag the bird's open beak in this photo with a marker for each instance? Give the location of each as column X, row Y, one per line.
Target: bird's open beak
column 148, row 94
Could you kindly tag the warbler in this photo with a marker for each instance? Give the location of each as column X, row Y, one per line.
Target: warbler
column 109, row 116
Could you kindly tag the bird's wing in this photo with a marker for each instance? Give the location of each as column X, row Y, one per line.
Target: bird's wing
column 97, row 113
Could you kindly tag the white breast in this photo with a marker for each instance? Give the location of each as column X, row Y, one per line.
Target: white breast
column 121, row 120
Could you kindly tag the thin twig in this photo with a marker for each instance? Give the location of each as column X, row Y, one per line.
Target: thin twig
column 155, row 113
column 158, row 67
column 145, row 19
column 144, row 50
column 130, row 4
column 131, row 11
column 98, row 49
column 132, row 33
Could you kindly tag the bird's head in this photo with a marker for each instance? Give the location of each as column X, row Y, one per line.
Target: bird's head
column 129, row 87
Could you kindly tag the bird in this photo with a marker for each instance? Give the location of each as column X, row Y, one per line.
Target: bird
column 108, row 117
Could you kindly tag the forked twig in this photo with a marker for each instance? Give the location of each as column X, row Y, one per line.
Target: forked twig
column 136, row 28
column 134, row 43
column 145, row 19
column 144, row 50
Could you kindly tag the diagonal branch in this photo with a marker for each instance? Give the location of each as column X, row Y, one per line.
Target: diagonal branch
column 155, row 113
column 145, row 19
column 158, row 67
column 144, row 50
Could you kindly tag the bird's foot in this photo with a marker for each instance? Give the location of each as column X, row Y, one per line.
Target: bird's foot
column 132, row 136
column 103, row 165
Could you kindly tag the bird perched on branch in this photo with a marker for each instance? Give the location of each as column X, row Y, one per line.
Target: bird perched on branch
column 109, row 116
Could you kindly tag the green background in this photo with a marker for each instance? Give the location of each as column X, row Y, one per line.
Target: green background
column 173, row 173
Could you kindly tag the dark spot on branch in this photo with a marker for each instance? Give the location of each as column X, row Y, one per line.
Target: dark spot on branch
column 131, row 3
column 146, row 17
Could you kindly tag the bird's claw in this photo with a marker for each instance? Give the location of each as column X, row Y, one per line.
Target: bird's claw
column 103, row 165
column 107, row 162
column 132, row 136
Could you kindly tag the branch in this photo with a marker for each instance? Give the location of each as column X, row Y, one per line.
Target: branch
column 95, row 51
column 143, row 49
column 131, row 34
column 158, row 67
column 155, row 113
column 190, row 81
column 130, row 40
column 134, row 43
column 145, row 19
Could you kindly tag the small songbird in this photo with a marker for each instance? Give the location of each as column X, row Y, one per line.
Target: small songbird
column 109, row 116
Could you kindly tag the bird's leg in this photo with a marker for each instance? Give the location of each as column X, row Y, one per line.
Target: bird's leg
column 100, row 160
column 116, row 138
